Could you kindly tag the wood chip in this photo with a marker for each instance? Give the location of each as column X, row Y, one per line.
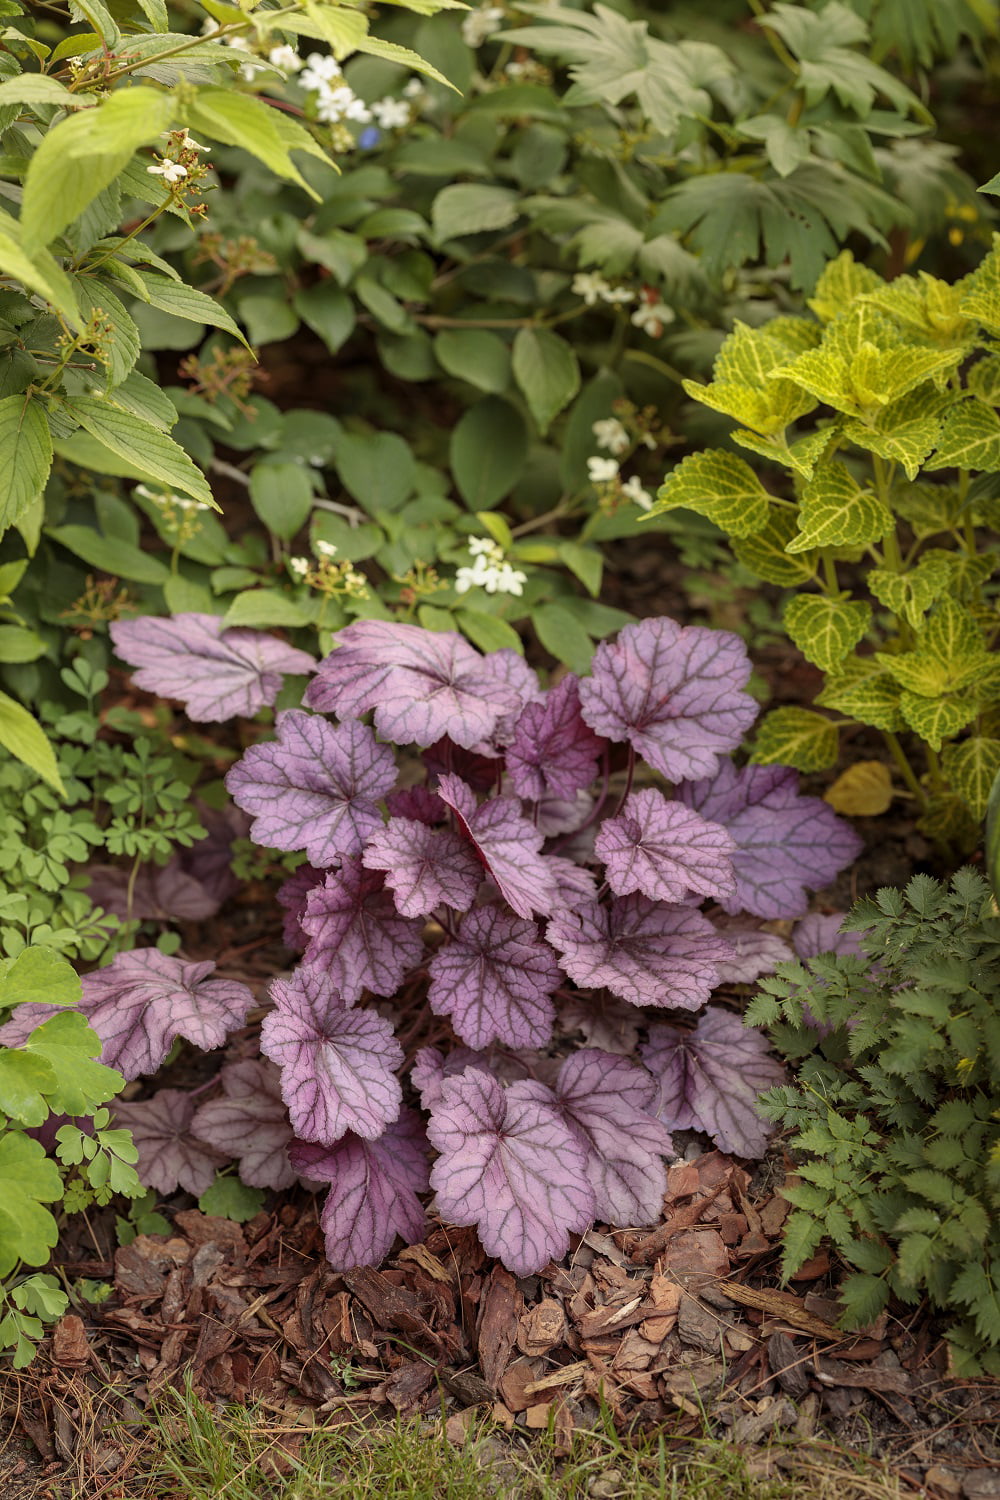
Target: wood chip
column 501, row 1310
column 69, row 1342
column 784, row 1306
column 422, row 1257
column 565, row 1375
column 665, row 1297
column 542, row 1328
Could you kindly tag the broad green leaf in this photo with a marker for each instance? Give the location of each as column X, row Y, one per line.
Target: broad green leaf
column 468, row 208
column 183, row 301
column 69, row 1046
column 972, row 767
column 146, row 401
column 39, row 272
column 765, row 553
column 488, row 632
column 25, row 456
column 39, row 976
column 110, row 554
column 265, row 608
column 82, row 154
column 488, row 452
column 861, row 690
column 151, row 451
column 282, row 495
column 242, row 120
column 24, row 1082
column 980, row 292
column 122, row 347
column 229, row 1198
column 910, row 595
column 802, row 455
column 864, row 790
column 719, row 486
column 28, row 1232
column 103, row 22
column 562, row 635
column 39, row 88
column 937, row 719
column 836, row 512
column 377, row 469
column 841, row 282
column 824, row 629
column 796, row 737
column 25, row 739
column 970, row 439
column 547, row 372
column 18, row 644
column 585, row 563
column 476, row 355
column 328, row 311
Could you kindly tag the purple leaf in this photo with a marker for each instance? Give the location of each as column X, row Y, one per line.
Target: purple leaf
column 609, row 1104
column 167, row 894
column 373, row 1191
column 424, row 867
column 216, row 673
column 709, row 1079
column 643, row 951
column 421, row 683
column 417, row 802
column 314, row 787
column 602, row 1021
column 786, row 844
column 575, row 886
column 675, row 694
column 170, row 1155
column 509, row 1164
column 431, row 1068
column 210, row 859
column 140, row 1003
column 756, row 952
column 555, row 815
column 553, row 752
column 665, row 850
column 337, row 1065
column 509, row 669
column 292, row 896
column 356, row 934
column 820, row 933
column 495, row 981
column 480, row 771
column 249, row 1123
column 507, row 843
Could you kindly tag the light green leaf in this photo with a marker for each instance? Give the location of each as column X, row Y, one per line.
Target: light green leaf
column 39, row 976
column 836, row 512
column 265, row 608
column 972, row 767
column 229, row 1198
column 547, row 372
column 18, row 644
column 25, row 456
column 28, row 1232
column 720, row 486
column 377, row 469
column 802, row 456
column 497, row 527
column 122, row 347
column 937, row 719
column 862, row 690
column 110, row 554
column 151, row 451
column 476, row 355
column 468, row 208
column 910, row 595
column 970, row 439
column 864, row 790
column 825, row 629
column 980, row 292
column 905, row 431
column 183, row 301
column 26, row 740
column 585, row 563
column 796, row 737
column 40, row 273
column 765, row 553
column 69, row 1045
column 489, row 449
column 842, row 281
column 24, row 1081
column 82, row 154
column 950, row 654
column 282, row 495
column 39, row 88
column 488, row 632
column 241, row 120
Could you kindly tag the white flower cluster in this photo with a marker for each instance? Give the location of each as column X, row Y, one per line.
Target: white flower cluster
column 489, row 571
column 175, row 171
column 480, row 24
column 336, row 102
column 650, row 316
column 166, row 500
column 612, row 435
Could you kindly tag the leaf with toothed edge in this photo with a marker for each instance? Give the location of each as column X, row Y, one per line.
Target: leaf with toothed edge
column 495, row 981
column 507, row 843
column 424, row 867
column 665, row 850
column 356, row 935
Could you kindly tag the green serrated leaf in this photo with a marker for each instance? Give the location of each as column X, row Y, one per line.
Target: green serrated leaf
column 69, row 1045
column 468, row 208
column 765, row 553
column 39, row 976
column 836, row 512
column 796, row 737
column 937, row 719
column 905, row 431
column 719, row 486
column 26, row 448
column 27, row 1180
column 972, row 767
column 547, row 371
column 229, row 1198
column 242, row 120
column 843, row 280
column 826, row 629
column 152, row 452
column 970, row 439
column 26, row 740
column 183, row 301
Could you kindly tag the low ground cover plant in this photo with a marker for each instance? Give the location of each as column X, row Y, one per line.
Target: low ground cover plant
column 894, row 1110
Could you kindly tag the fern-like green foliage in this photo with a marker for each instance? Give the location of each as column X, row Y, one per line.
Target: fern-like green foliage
column 881, row 409
column 895, row 1109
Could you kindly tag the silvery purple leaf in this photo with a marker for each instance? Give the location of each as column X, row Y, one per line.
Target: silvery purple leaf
column 478, row 770
column 674, row 693
column 314, row 787
column 643, row 951
column 756, row 952
column 575, row 886
column 421, row 683
column 665, row 850
column 787, row 844
column 170, row 1155
column 553, row 752
column 820, row 933
column 209, row 860
column 602, row 1021
column 292, row 896
column 710, row 1078
column 338, row 1066
column 373, row 1191
column 556, row 815
column 507, row 843
column 508, row 668
column 356, row 934
column 431, row 1068
column 165, row 894
column 609, row 1103
column 417, row 802
column 216, row 673
column 495, row 981
column 424, row 867
column 141, row 1003
column 249, row 1123
column 510, row 1165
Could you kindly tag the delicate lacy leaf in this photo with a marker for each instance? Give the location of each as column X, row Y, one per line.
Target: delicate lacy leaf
column 608, row 1103
column 711, row 1077
column 507, row 843
column 373, row 1191
column 314, row 787
column 170, row 1155
column 216, row 673
column 644, row 951
column 337, row 1065
column 786, row 844
column 820, row 933
column 495, row 981
column 665, row 850
column 356, row 934
column 553, row 752
column 250, row 1124
column 141, row 1002
column 510, row 1165
column 424, row 867
column 675, row 694
column 756, row 952
column 421, row 683
column 292, row 896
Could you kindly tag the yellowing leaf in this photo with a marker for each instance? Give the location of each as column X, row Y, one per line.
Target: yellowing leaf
column 863, row 691
column 862, row 791
column 841, row 282
column 972, row 767
column 796, row 737
column 764, row 553
column 720, row 486
column 926, row 306
column 904, row 431
column 836, row 512
column 980, row 292
column 826, row 630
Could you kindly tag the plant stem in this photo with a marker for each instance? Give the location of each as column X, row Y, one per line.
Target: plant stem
column 905, row 769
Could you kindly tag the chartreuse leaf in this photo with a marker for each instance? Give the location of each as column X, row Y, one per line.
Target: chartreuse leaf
column 970, row 439
column 39, row 88
column 765, row 553
column 82, row 154
column 547, row 371
column 949, row 655
column 864, row 790
column 741, row 386
column 861, row 381
column 38, row 976
column 863, row 691
column 26, row 740
column 983, row 379
column 26, row 446
column 802, row 455
column 796, row 737
column 905, row 431
column 910, row 595
column 972, row 767
column 826, row 629
column 719, row 486
column 27, row 1180
column 931, row 307
column 836, row 512
column 842, row 281
column 39, row 272
column 241, row 120
column 980, row 292
column 937, row 719
column 138, row 443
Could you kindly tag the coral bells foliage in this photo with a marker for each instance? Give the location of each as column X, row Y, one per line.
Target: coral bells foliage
column 553, row 864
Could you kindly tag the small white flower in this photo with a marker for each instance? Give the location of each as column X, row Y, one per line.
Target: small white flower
column 633, row 490
column 480, row 24
column 590, row 286
column 391, row 114
column 326, row 549
column 414, row 88
column 648, row 440
column 298, row 566
column 285, row 57
column 611, row 434
column 325, row 68
column 483, row 546
column 614, row 294
column 170, row 171
column 651, row 316
column 334, row 105
column 602, row 470
column 511, row 580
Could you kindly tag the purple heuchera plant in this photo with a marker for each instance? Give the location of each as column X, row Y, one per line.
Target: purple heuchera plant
column 541, row 884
